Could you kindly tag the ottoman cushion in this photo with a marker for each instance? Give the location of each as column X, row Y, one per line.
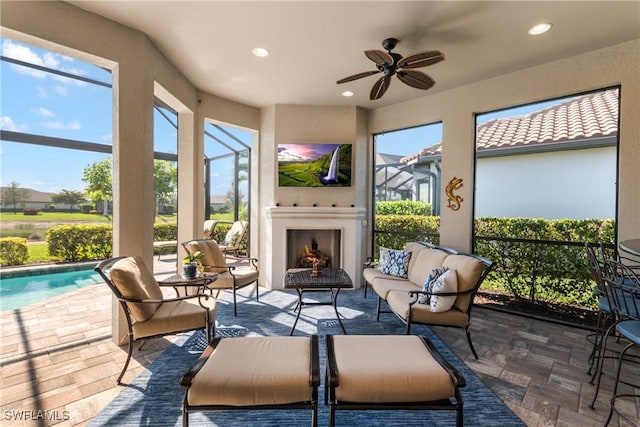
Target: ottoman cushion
column 388, row 369
column 251, row 371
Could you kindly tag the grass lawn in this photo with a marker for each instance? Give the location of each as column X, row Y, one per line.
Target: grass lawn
column 39, row 252
column 58, row 217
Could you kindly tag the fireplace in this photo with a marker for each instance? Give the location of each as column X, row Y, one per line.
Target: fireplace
column 338, row 231
column 305, row 246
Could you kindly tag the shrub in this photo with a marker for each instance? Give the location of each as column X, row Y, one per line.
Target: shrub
column 85, row 209
column 80, row 242
column 30, row 211
column 13, row 251
column 403, row 207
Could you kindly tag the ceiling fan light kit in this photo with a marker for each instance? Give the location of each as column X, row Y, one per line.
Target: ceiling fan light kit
column 391, row 63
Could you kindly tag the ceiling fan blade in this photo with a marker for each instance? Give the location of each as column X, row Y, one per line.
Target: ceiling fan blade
column 357, row 76
column 416, row 79
column 421, row 59
column 379, row 88
column 380, row 57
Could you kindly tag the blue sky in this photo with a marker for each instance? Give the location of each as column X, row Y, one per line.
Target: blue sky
column 41, row 103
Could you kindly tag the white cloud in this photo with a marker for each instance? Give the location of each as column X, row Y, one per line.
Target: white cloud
column 61, row 90
column 49, row 59
column 43, row 112
column 23, row 53
column 6, row 123
column 61, row 126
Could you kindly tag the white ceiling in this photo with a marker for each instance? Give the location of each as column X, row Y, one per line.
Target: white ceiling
column 315, row 43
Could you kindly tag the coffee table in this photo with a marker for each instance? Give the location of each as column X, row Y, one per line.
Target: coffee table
column 330, row 280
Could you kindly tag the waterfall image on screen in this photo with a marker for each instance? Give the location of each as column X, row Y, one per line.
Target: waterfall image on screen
column 332, row 175
column 314, row 165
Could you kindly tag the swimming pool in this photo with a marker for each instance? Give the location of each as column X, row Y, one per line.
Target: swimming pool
column 16, row 292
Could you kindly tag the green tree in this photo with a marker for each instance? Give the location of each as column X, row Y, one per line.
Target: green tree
column 165, row 181
column 14, row 195
column 68, row 197
column 99, row 184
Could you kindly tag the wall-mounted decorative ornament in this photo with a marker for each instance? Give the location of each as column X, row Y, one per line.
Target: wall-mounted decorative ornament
column 454, row 200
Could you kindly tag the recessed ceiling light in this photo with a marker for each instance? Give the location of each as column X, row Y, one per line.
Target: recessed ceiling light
column 260, row 52
column 540, row 28
column 347, row 93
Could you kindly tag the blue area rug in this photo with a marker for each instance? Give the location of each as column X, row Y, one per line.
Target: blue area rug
column 155, row 396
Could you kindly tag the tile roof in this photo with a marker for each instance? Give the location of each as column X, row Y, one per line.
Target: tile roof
column 581, row 118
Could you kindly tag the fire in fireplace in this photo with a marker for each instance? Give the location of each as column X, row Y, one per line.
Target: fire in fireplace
column 306, row 246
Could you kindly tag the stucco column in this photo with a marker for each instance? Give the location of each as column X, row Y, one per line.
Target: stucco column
column 134, row 201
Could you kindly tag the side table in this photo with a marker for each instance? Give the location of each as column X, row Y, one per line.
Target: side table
column 179, row 281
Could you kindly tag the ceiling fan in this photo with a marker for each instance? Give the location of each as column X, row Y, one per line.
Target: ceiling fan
column 390, row 63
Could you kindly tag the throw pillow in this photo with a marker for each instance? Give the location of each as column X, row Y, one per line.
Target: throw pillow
column 448, row 282
column 394, row 262
column 428, row 284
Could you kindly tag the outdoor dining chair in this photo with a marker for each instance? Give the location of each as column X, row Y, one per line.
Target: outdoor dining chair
column 622, row 287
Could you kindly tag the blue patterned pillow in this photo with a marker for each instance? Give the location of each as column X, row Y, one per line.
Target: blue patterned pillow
column 428, row 284
column 394, row 262
column 448, row 282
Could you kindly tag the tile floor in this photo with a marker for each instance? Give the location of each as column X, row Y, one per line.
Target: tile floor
column 58, row 356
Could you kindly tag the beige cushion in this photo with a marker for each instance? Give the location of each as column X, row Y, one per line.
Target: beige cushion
column 383, row 285
column 252, row 371
column 426, row 260
column 214, row 261
column 243, row 276
column 388, row 369
column 370, row 274
column 468, row 270
column 134, row 280
column 177, row 316
column 421, row 313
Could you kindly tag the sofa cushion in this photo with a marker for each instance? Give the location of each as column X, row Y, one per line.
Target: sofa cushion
column 383, row 285
column 468, row 270
column 428, row 284
column 394, row 262
column 446, row 282
column 370, row 274
column 421, row 313
column 426, row 260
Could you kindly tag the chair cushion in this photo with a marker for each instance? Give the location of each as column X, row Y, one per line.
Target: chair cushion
column 388, row 369
column 134, row 280
column 214, row 260
column 394, row 262
column 177, row 316
column 243, row 276
column 251, row 371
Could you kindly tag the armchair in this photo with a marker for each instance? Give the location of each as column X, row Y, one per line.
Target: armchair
column 148, row 312
column 232, row 277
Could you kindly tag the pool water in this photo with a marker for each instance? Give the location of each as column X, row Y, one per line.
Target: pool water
column 17, row 292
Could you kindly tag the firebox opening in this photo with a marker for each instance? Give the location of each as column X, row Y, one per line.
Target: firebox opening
column 303, row 246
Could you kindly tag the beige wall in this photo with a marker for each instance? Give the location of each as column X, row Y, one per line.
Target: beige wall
column 286, row 124
column 455, row 108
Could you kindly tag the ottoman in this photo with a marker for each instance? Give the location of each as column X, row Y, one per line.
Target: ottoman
column 378, row 372
column 254, row 373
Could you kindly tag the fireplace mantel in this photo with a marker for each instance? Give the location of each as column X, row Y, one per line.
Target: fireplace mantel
column 279, row 219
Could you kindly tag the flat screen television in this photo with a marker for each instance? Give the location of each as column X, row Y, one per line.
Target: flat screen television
column 314, row 165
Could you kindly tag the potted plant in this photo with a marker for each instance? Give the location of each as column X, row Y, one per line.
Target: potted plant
column 192, row 261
